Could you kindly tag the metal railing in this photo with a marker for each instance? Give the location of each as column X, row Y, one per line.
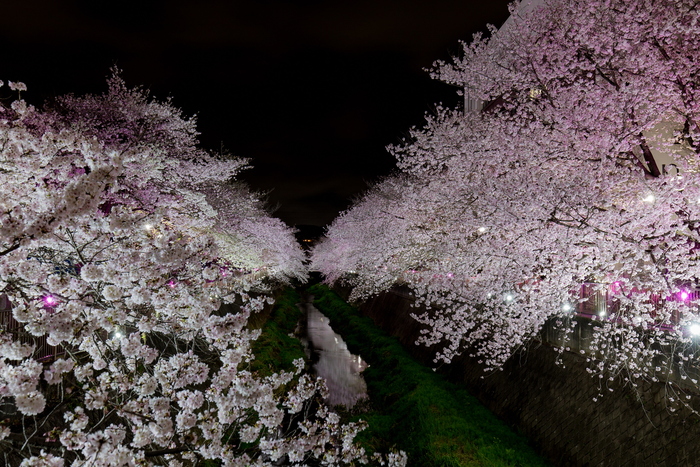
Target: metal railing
column 43, row 350
column 677, row 362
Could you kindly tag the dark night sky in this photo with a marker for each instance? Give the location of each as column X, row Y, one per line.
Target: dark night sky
column 311, row 91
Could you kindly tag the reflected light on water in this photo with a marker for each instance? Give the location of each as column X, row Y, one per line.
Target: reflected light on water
column 336, row 365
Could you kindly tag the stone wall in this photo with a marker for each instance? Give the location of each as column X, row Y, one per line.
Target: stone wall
column 554, row 406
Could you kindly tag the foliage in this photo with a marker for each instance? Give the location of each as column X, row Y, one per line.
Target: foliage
column 436, row 422
column 499, row 216
column 132, row 267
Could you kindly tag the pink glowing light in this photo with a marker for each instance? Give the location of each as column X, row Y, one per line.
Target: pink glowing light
column 171, row 284
column 50, row 300
column 684, row 295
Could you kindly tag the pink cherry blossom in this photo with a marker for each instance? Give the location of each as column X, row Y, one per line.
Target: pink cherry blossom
column 106, row 202
column 499, row 216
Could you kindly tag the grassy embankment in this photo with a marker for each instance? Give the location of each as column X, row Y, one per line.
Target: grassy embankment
column 275, row 350
column 436, row 422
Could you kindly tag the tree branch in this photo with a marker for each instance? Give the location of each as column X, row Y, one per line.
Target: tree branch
column 163, row 452
column 10, row 249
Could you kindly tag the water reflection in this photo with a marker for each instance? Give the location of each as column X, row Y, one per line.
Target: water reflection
column 336, row 365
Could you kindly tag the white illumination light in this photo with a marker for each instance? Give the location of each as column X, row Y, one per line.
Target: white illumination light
column 509, row 298
column 147, row 226
column 602, row 313
column 649, row 198
column 695, row 329
column 566, row 307
column 118, row 335
column 482, row 229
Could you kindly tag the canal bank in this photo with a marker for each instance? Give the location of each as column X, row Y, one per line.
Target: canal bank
column 559, row 406
column 414, row 409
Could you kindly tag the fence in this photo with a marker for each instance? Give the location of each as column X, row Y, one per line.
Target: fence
column 673, row 361
column 43, row 350
column 594, row 301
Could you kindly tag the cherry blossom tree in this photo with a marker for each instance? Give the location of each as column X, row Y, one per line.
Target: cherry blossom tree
column 120, row 243
column 500, row 215
column 253, row 240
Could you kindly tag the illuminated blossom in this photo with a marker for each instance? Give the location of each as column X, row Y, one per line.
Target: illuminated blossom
column 117, row 235
column 499, row 216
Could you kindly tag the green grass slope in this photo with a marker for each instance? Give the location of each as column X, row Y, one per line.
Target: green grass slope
column 275, row 350
column 436, row 422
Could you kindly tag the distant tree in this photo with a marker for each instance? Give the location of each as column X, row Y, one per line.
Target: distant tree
column 120, row 240
column 500, row 215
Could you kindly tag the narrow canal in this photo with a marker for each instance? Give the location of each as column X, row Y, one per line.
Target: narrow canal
column 332, row 360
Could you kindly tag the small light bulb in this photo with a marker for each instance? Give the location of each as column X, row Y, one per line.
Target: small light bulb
column 602, row 313
column 650, row 198
column 482, row 229
column 566, row 307
column 509, row 298
column 695, row 329
column 147, row 227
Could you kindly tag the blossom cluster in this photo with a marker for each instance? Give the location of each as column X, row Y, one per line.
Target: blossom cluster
column 131, row 264
column 499, row 215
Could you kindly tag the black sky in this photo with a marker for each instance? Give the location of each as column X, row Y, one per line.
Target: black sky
column 310, row 91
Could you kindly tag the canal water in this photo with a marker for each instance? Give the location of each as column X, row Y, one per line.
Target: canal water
column 332, row 360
